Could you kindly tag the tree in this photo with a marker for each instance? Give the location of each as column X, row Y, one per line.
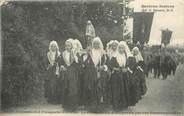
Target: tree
column 27, row 28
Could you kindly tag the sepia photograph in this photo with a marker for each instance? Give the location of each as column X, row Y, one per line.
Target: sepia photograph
column 92, row 56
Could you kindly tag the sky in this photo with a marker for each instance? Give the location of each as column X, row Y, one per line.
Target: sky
column 162, row 20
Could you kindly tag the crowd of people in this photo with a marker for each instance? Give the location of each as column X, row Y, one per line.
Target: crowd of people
column 161, row 62
column 76, row 77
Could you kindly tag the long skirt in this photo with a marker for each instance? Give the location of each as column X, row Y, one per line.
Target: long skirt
column 134, row 88
column 90, row 86
column 142, row 83
column 102, row 87
column 81, row 86
column 119, row 90
column 59, row 90
column 70, row 87
column 51, row 85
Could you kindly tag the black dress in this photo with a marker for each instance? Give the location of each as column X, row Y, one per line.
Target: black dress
column 132, row 85
column 50, row 83
column 80, row 69
column 94, row 85
column 119, row 85
column 108, row 83
column 141, row 74
column 70, row 84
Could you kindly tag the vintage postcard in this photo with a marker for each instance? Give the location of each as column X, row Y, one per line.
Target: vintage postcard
column 92, row 57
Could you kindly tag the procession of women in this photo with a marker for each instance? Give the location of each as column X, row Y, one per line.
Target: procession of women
column 88, row 78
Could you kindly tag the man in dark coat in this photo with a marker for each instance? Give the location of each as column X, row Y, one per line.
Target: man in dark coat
column 156, row 65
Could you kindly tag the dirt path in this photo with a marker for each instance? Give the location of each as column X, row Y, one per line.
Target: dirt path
column 162, row 96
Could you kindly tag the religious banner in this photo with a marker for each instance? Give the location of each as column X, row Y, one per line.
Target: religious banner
column 166, row 36
column 142, row 22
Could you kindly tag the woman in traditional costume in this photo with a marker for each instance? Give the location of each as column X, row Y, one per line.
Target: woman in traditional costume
column 111, row 51
column 69, row 74
column 119, row 77
column 134, row 74
column 94, row 73
column 53, row 72
column 78, row 51
column 140, row 69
